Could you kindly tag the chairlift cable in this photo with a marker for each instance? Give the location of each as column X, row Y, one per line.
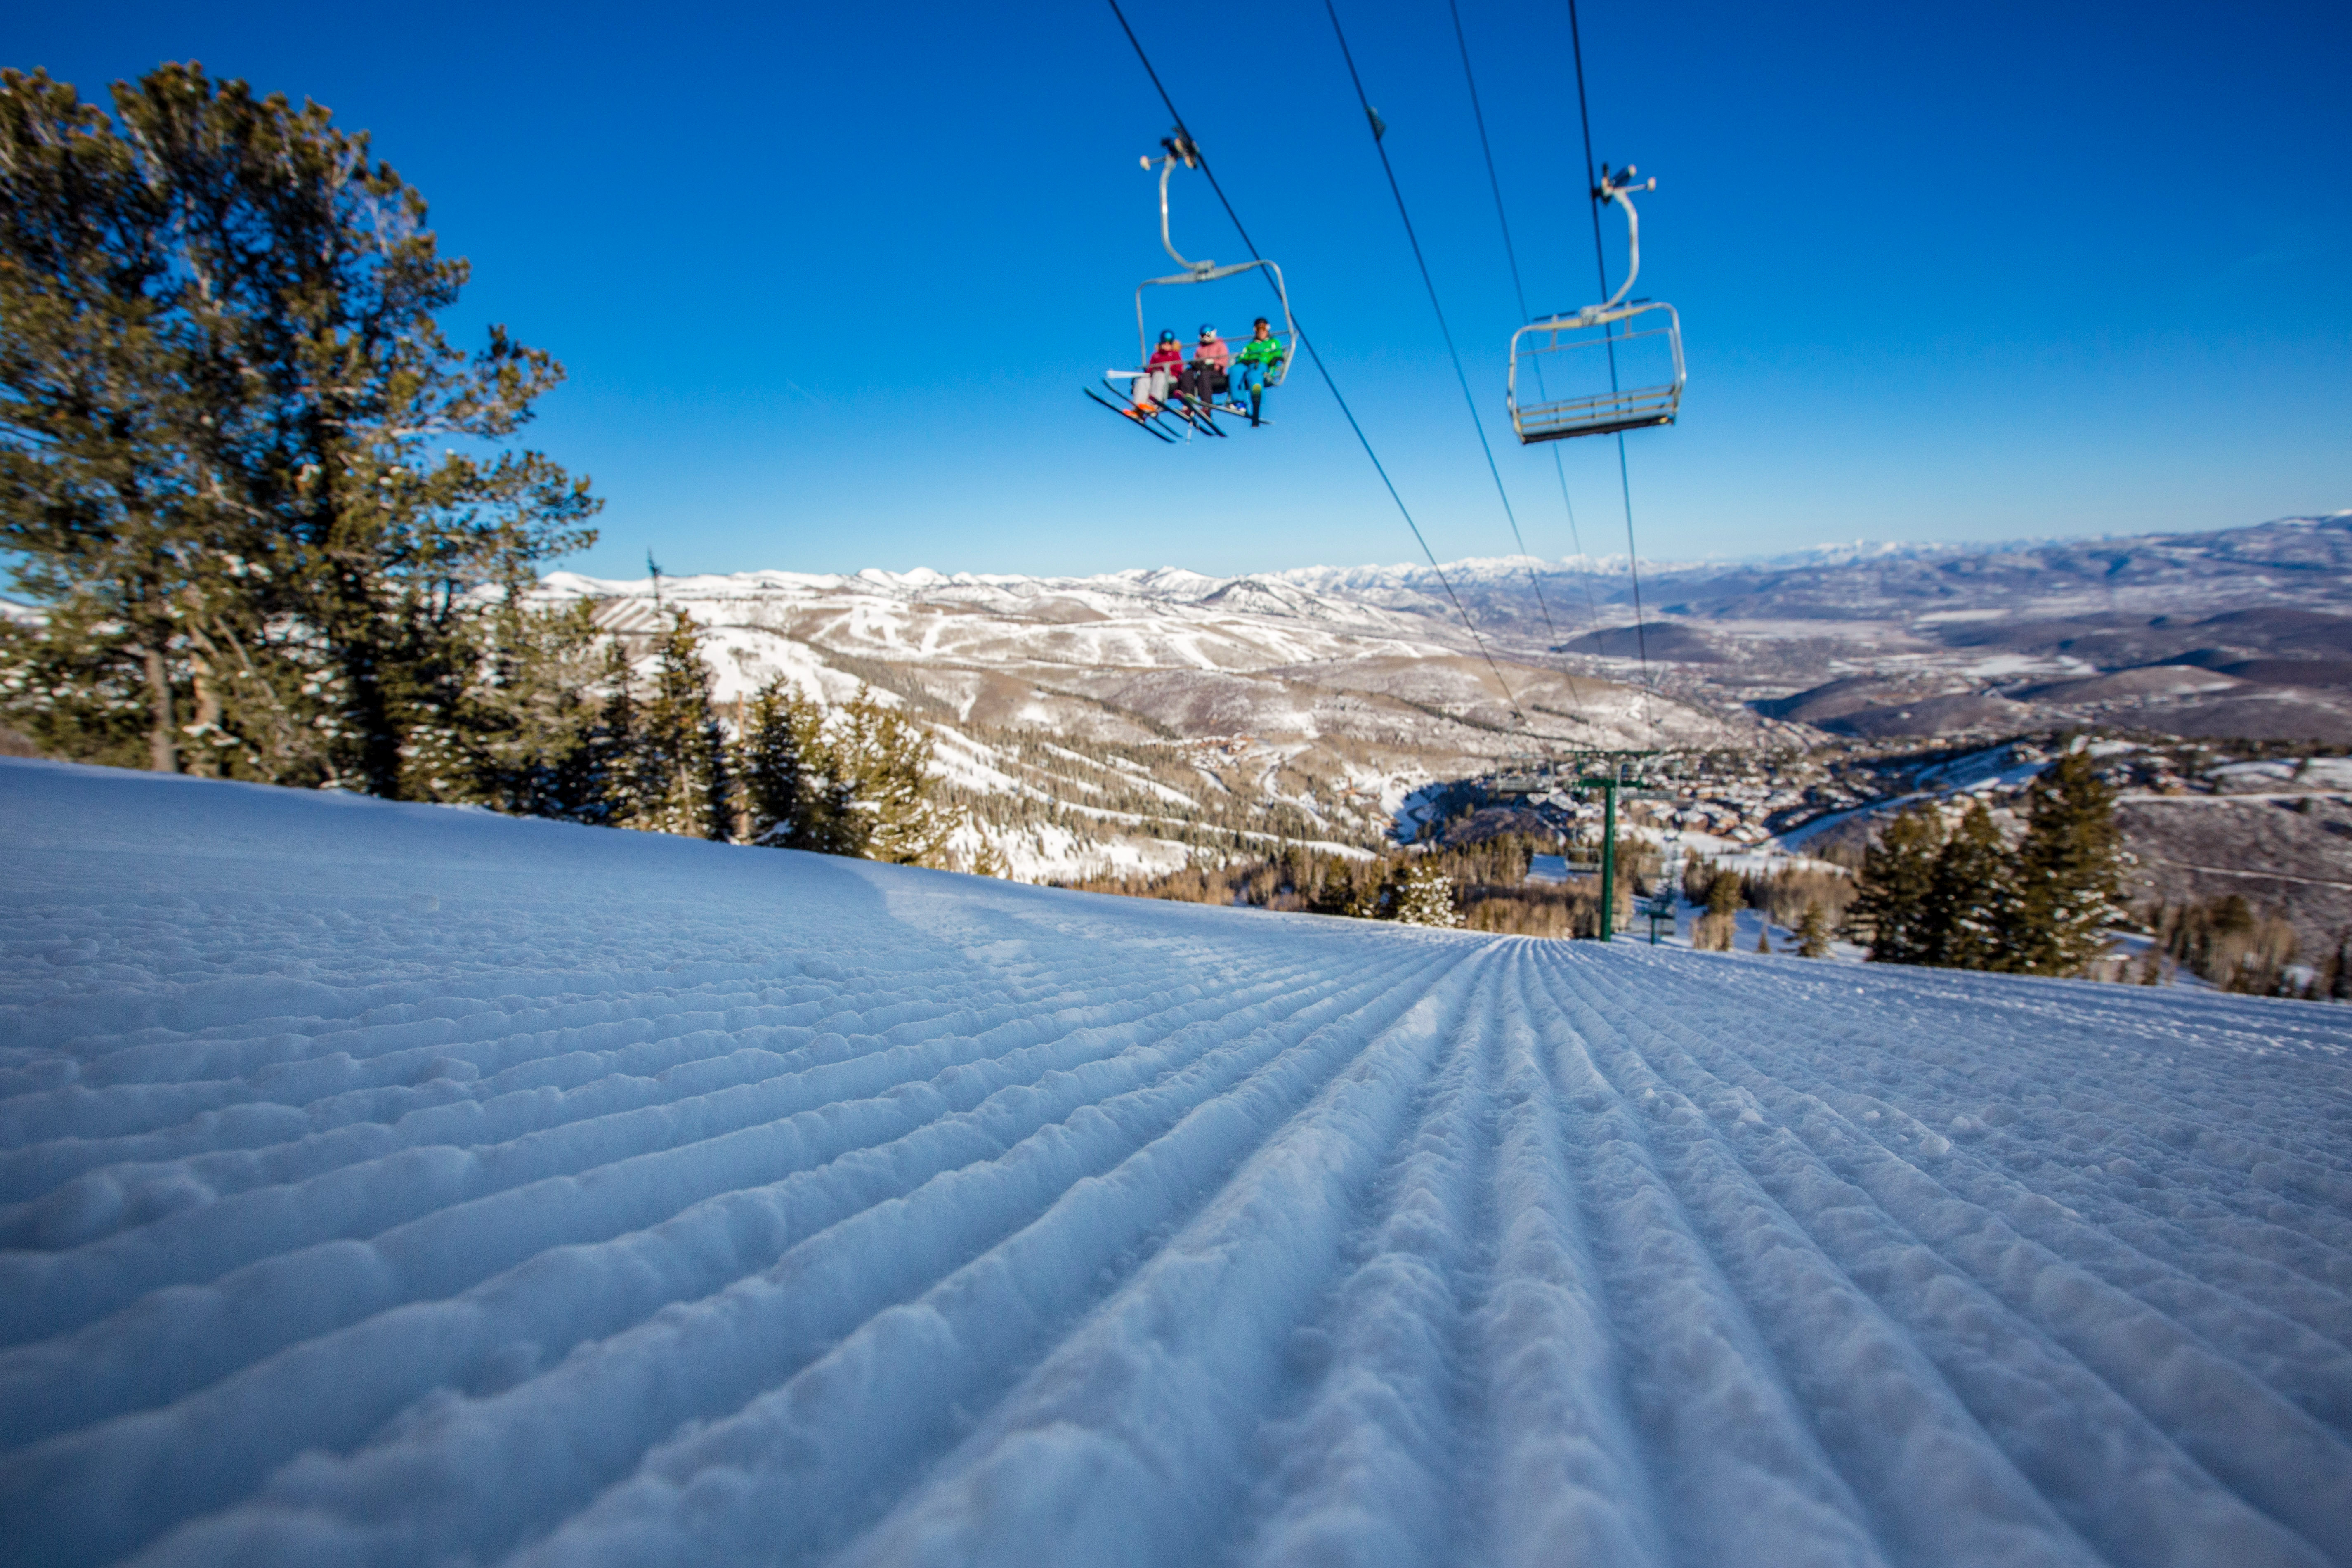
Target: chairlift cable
column 1372, row 123
column 1600, row 265
column 1520, row 292
column 1308, row 344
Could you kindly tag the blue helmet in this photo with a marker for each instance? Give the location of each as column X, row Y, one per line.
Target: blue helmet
column 1207, row 331
column 1168, row 336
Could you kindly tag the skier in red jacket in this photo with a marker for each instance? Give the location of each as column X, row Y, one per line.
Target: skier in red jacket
column 1165, row 366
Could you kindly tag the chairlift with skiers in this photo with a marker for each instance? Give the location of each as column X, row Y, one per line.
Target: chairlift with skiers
column 1175, row 400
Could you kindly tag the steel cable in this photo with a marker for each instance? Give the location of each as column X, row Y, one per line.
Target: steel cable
column 1601, row 264
column 1519, row 293
column 1469, row 623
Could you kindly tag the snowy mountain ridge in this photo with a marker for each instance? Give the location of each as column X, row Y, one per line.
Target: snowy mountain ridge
column 1328, row 689
column 1076, row 715
column 1183, row 585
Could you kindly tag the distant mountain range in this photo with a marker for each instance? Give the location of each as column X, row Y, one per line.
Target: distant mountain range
column 1333, row 691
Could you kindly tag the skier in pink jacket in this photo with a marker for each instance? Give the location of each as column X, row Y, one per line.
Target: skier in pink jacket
column 1208, row 374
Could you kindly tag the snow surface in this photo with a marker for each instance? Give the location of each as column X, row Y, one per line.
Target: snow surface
column 387, row 1184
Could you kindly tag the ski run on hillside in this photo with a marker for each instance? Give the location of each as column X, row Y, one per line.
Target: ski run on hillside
column 401, row 1184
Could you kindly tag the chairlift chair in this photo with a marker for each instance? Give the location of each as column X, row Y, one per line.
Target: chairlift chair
column 1190, row 417
column 1619, row 336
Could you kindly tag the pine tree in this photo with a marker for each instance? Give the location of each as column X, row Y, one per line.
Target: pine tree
column 1898, row 872
column 1970, row 905
column 1813, row 933
column 1349, row 888
column 682, row 784
column 516, row 708
column 986, row 861
column 2069, row 871
column 879, row 761
column 856, row 781
column 1425, row 896
column 597, row 781
column 229, row 442
column 1764, row 937
column 1716, row 929
column 779, row 768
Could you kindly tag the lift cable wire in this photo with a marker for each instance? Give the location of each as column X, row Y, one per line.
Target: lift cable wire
column 1372, row 123
column 1601, row 264
column 1460, row 609
column 1520, row 292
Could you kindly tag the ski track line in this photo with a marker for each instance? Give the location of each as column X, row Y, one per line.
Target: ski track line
column 2279, row 1328
column 2297, row 1275
column 2273, row 1454
column 196, row 1332
column 413, row 1103
column 2319, row 1161
column 1904, row 1438
column 1567, row 1479
column 1724, row 1438
column 1126, row 1443
column 409, row 1350
column 374, row 1196
column 1373, row 1466
column 456, row 1472
column 2294, row 1329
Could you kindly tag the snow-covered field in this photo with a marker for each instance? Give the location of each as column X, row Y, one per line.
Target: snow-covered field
column 397, row 1184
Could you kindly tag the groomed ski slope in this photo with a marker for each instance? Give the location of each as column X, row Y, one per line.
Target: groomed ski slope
column 393, row 1184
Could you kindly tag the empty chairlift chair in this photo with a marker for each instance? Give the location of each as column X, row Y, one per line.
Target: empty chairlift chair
column 1617, row 365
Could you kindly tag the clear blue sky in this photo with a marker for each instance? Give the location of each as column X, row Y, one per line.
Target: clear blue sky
column 829, row 279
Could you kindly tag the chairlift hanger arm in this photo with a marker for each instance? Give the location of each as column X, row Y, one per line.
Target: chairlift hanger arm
column 1177, row 148
column 1618, row 188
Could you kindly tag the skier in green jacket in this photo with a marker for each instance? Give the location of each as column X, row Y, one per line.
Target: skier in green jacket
column 1259, row 358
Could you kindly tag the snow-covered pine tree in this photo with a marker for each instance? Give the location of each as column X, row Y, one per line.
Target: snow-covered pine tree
column 1971, row 907
column 1812, row 934
column 2068, row 873
column 682, row 785
column 1764, row 936
column 1897, row 873
column 1425, row 896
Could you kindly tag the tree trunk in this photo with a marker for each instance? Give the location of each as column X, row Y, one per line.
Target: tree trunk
column 162, row 728
column 208, row 717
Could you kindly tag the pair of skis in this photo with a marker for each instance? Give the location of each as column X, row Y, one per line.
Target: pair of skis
column 1174, row 420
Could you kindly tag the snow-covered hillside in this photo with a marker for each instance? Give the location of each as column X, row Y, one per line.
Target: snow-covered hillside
column 398, row 1184
column 1257, row 709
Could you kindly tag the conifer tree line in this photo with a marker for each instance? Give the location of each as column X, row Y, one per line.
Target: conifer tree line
column 1480, row 885
column 2228, row 943
column 274, row 524
column 789, row 773
column 1964, row 898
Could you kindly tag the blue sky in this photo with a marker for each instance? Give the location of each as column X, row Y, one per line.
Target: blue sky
column 828, row 279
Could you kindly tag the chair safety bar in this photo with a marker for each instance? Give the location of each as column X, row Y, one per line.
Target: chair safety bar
column 1600, row 414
